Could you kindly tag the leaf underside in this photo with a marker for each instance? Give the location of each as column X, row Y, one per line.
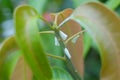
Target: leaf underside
column 104, row 27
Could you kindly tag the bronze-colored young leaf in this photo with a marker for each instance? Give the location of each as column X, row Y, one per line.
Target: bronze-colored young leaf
column 25, row 18
column 76, row 49
column 8, row 57
column 61, row 16
column 21, row 71
column 104, row 27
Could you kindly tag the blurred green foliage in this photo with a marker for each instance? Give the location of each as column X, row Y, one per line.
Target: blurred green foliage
column 92, row 60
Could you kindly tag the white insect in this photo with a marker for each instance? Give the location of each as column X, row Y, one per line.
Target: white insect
column 57, row 42
column 63, row 35
column 67, row 53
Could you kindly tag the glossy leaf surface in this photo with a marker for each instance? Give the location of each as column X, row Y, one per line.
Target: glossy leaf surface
column 25, row 18
column 103, row 25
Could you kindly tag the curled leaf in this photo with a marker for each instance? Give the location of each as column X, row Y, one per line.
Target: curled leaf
column 25, row 18
column 9, row 55
column 104, row 27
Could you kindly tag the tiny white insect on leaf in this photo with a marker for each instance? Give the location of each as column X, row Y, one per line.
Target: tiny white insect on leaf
column 57, row 42
column 63, row 35
column 67, row 53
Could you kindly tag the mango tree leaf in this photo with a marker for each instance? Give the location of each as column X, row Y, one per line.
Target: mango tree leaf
column 87, row 44
column 76, row 49
column 61, row 16
column 25, row 18
column 87, row 41
column 21, row 71
column 103, row 26
column 113, row 4
column 9, row 55
column 60, row 74
column 50, row 47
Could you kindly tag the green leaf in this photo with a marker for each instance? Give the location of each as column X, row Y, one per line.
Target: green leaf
column 9, row 55
column 51, row 48
column 60, row 74
column 103, row 26
column 25, row 18
column 113, row 4
column 87, row 44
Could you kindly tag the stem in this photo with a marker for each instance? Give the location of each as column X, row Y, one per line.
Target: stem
column 55, row 22
column 63, row 22
column 69, row 64
column 79, row 33
column 57, row 57
column 56, row 17
column 47, row 32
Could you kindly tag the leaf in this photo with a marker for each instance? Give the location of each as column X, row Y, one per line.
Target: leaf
column 21, row 71
column 25, row 18
column 103, row 26
column 113, row 4
column 8, row 57
column 87, row 44
column 76, row 49
column 79, row 2
column 51, row 48
column 61, row 16
column 60, row 74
